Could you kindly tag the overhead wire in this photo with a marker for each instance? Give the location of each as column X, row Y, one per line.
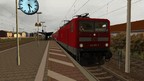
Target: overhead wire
column 77, row 10
column 81, row 7
column 113, row 11
column 70, row 8
column 102, row 7
column 119, row 8
column 68, row 11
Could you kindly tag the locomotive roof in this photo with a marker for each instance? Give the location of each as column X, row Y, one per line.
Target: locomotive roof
column 83, row 18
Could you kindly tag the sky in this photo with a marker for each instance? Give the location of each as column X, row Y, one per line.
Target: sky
column 54, row 12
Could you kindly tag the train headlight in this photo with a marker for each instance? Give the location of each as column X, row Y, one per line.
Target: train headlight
column 81, row 45
column 106, row 44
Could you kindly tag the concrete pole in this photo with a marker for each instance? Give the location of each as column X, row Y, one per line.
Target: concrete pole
column 128, row 31
column 37, row 17
column 38, row 28
column 38, row 25
column 18, row 53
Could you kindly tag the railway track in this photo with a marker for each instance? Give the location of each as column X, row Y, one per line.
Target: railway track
column 103, row 74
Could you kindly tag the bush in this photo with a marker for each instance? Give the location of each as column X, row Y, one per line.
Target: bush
column 137, row 43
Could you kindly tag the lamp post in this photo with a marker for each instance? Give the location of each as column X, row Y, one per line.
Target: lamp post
column 38, row 24
column 38, row 16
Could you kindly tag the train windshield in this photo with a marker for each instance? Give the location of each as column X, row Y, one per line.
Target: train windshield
column 101, row 26
column 86, row 26
column 92, row 26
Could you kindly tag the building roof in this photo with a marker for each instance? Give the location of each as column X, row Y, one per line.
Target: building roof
column 137, row 26
column 2, row 31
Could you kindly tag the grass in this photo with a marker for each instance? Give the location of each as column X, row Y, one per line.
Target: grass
column 4, row 40
column 8, row 43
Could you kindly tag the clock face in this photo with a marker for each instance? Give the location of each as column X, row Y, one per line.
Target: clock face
column 29, row 7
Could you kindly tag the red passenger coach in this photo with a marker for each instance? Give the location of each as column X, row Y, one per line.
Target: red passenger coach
column 88, row 39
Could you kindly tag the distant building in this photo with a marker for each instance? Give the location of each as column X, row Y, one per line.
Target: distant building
column 10, row 34
column 3, row 33
column 22, row 34
column 137, row 27
column 15, row 35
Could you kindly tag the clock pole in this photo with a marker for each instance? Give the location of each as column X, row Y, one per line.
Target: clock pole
column 17, row 37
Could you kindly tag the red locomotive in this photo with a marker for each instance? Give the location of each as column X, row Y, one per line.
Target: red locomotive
column 88, row 39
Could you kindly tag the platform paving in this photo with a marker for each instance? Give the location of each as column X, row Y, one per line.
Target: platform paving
column 31, row 55
column 45, row 61
column 60, row 67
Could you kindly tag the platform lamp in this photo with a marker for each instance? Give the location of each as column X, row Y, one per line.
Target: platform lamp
column 38, row 24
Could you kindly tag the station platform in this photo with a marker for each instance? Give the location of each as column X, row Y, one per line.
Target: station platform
column 43, row 61
column 60, row 67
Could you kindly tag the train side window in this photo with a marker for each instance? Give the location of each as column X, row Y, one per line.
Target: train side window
column 71, row 28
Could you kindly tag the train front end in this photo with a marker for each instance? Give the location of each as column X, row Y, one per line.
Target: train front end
column 94, row 40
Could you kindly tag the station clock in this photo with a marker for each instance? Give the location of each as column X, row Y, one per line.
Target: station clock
column 28, row 7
